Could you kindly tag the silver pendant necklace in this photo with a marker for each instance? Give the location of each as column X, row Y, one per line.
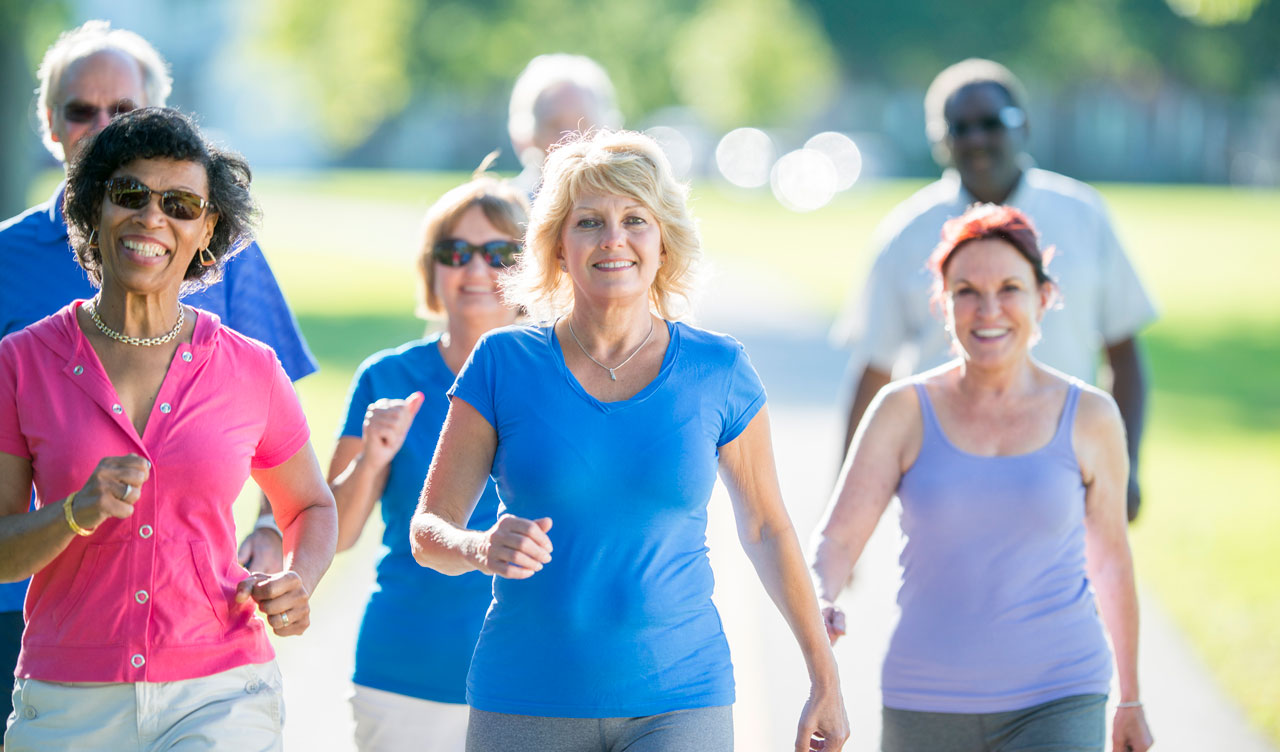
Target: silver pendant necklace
column 612, row 376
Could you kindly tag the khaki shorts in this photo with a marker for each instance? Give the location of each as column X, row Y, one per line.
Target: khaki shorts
column 240, row 709
column 391, row 722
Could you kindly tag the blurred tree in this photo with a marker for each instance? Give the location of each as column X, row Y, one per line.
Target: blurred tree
column 368, row 60
column 25, row 30
column 1225, row 46
column 753, row 61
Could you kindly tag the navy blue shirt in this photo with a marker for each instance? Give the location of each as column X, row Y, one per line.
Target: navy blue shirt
column 420, row 626
column 620, row 623
column 39, row 274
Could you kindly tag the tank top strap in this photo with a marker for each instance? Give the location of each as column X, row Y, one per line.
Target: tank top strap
column 1062, row 436
column 932, row 429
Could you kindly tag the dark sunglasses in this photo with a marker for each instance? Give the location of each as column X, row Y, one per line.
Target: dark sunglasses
column 1007, row 119
column 83, row 112
column 130, row 193
column 455, row 252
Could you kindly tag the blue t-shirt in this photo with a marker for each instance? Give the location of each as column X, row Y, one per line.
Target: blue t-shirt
column 420, row 626
column 620, row 622
column 41, row 275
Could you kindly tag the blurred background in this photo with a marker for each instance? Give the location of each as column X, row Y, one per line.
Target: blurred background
column 800, row 125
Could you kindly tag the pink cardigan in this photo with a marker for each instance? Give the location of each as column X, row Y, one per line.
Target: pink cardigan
column 151, row 597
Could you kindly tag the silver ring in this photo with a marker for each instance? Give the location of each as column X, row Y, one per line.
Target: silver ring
column 128, row 489
column 284, row 620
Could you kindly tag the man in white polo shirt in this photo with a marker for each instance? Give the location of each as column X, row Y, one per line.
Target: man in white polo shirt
column 978, row 128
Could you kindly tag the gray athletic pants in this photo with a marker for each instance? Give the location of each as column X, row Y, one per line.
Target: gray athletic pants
column 695, row 730
column 1072, row 724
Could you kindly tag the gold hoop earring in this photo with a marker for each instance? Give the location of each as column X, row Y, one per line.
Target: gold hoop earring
column 93, row 238
column 207, row 258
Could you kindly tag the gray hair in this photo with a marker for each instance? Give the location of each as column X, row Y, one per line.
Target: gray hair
column 87, row 39
column 952, row 79
column 546, row 71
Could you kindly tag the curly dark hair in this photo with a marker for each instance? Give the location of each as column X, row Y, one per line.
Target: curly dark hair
column 159, row 133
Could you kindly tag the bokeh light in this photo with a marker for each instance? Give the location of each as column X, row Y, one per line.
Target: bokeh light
column 804, row 180
column 676, row 146
column 843, row 153
column 743, row 157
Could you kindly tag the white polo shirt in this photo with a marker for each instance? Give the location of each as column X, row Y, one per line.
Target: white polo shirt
column 892, row 328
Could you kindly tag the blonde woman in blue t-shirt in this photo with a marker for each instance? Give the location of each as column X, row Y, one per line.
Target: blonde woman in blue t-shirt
column 604, row 430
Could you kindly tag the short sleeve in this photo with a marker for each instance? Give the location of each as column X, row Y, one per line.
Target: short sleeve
column 256, row 307
column 475, row 383
column 875, row 322
column 358, row 400
column 12, row 440
column 286, row 428
column 744, row 398
column 1126, row 306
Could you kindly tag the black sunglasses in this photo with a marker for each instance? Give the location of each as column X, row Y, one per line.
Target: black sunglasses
column 1007, row 118
column 455, row 252
column 131, row 193
column 83, row 112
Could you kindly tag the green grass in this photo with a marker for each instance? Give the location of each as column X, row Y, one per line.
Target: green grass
column 343, row 245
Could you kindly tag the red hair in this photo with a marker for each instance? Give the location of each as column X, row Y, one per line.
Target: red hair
column 983, row 221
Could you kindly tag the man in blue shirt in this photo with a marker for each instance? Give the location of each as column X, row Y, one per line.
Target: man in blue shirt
column 89, row 75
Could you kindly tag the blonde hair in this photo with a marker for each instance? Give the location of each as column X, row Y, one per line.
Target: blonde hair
column 505, row 207
column 605, row 163
column 90, row 38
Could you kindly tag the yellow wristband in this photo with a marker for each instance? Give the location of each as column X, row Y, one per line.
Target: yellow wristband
column 71, row 519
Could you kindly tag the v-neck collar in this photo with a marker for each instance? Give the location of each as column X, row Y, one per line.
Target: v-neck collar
column 668, row 360
column 84, row 368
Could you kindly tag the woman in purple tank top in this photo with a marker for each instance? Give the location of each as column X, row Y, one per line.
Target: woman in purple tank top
column 1016, row 557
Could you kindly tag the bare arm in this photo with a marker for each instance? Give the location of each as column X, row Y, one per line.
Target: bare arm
column 885, row 444
column 869, row 385
column 30, row 540
column 262, row 550
column 514, row 547
column 304, row 507
column 1129, row 388
column 359, row 468
column 1104, row 465
column 748, row 470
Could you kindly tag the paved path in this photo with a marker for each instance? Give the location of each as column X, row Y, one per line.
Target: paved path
column 785, row 338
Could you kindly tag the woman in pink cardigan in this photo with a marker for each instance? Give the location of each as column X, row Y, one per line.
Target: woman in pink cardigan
column 137, row 420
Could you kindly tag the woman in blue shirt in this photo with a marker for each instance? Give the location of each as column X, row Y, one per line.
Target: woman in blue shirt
column 611, row 423
column 420, row 626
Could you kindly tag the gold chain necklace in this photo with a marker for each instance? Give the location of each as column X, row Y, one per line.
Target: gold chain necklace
column 136, row 341
column 634, row 353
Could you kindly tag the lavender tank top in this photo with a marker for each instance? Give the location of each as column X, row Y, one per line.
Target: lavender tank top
column 997, row 611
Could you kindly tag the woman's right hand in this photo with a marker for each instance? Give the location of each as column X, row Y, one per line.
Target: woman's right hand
column 515, row 548
column 111, row 491
column 833, row 620
column 386, row 423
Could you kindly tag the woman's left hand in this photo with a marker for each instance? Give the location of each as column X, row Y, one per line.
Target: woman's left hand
column 1129, row 732
column 823, row 722
column 282, row 598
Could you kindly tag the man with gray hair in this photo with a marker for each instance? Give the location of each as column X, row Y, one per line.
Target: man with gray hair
column 556, row 94
column 976, row 120
column 88, row 76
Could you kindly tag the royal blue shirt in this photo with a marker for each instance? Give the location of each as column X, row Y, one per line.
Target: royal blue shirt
column 39, row 274
column 419, row 626
column 620, row 622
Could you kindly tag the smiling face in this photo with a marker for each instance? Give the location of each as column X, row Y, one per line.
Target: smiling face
column 611, row 247
column 97, row 86
column 993, row 303
column 471, row 291
column 145, row 250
